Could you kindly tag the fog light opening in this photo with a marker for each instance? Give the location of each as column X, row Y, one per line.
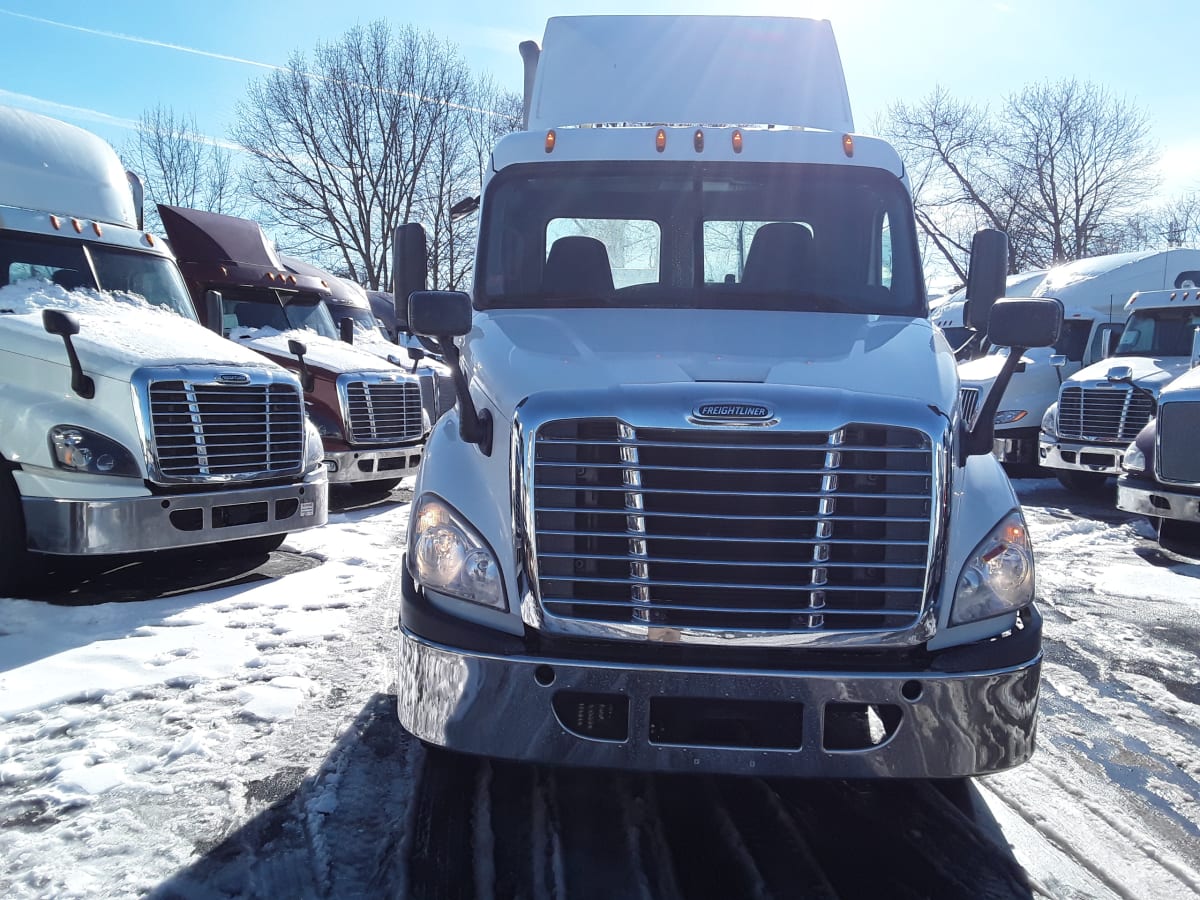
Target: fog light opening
column 544, row 675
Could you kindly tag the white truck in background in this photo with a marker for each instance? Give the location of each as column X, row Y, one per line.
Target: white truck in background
column 950, row 315
column 1093, row 293
column 127, row 427
column 708, row 502
column 1101, row 408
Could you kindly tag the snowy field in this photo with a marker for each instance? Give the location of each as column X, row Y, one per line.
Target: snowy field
column 238, row 740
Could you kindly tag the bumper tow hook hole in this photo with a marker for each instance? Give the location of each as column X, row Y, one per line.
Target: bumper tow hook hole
column 911, row 691
column 544, row 675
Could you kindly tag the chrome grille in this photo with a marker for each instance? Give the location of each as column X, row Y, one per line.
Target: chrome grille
column 384, row 411
column 968, row 398
column 1177, row 458
column 208, row 432
column 1103, row 414
column 733, row 528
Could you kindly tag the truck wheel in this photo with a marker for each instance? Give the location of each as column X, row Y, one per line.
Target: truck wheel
column 1180, row 537
column 14, row 558
column 255, row 546
column 1081, row 482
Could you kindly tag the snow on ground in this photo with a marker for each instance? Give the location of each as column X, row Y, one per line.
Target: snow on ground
column 141, row 741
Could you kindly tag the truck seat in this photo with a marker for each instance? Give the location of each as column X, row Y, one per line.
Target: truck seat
column 576, row 266
column 779, row 257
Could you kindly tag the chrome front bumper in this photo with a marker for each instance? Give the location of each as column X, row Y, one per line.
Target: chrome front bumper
column 1152, row 499
column 140, row 524
column 542, row 710
column 1016, row 445
column 357, row 466
column 1080, row 457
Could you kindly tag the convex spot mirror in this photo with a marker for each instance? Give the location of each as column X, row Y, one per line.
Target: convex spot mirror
column 1025, row 322
column 439, row 313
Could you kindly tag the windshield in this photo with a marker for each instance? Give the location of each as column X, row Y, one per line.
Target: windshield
column 1159, row 332
column 365, row 323
column 722, row 236
column 81, row 264
column 253, row 309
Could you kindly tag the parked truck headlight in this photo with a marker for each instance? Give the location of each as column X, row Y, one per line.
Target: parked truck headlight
column 82, row 450
column 998, row 576
column 1134, row 459
column 450, row 557
column 1050, row 421
column 1008, row 416
column 314, row 447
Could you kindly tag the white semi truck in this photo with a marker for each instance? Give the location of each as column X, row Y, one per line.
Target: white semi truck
column 1101, row 408
column 707, row 502
column 127, row 427
column 1093, row 293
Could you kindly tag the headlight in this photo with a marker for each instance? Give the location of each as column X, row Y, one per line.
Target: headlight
column 449, row 556
column 998, row 576
column 1134, row 459
column 82, row 450
column 1050, row 421
column 1008, row 416
column 314, row 447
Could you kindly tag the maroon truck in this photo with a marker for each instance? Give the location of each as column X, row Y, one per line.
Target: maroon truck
column 368, row 410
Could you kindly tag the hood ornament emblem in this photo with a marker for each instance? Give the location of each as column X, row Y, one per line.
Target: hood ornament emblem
column 736, row 412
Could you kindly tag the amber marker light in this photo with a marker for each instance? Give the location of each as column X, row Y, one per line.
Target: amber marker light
column 551, row 140
column 737, row 141
column 660, row 140
column 56, row 222
column 848, row 144
column 96, row 228
column 149, row 239
column 77, row 225
column 698, row 141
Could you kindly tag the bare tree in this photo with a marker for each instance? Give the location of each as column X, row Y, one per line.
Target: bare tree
column 341, row 143
column 181, row 166
column 1059, row 170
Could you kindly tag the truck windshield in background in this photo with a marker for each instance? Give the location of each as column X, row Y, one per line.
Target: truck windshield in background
column 1159, row 332
column 73, row 264
column 255, row 309
column 703, row 235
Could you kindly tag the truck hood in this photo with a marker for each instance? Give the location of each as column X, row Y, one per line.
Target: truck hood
column 1149, row 372
column 333, row 356
column 512, row 354
column 116, row 335
column 1032, row 390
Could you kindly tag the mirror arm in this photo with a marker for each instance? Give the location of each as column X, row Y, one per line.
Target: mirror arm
column 978, row 441
column 474, row 427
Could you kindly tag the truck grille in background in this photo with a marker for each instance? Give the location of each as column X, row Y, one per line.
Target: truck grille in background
column 969, row 400
column 210, row 431
column 1178, row 427
column 1103, row 414
column 385, row 411
column 733, row 529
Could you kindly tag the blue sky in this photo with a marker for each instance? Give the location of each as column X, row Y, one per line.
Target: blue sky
column 102, row 64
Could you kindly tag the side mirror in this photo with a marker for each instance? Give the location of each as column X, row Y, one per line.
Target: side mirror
column 298, row 350
column 439, row 313
column 65, row 325
column 986, row 276
column 1025, row 323
column 1112, row 337
column 1195, row 348
column 1058, row 360
column 214, row 311
column 346, row 329
column 410, row 264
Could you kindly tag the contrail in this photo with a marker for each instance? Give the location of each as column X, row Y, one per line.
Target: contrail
column 117, row 36
column 166, row 45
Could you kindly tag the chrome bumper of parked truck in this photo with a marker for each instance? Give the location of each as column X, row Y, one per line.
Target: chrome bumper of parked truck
column 1151, row 499
column 358, row 466
column 140, row 524
column 1080, row 457
column 689, row 719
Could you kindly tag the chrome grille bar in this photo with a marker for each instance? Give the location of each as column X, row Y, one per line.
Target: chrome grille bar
column 1103, row 414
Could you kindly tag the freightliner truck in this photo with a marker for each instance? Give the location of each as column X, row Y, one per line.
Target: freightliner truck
column 369, row 411
column 127, row 427
column 707, row 501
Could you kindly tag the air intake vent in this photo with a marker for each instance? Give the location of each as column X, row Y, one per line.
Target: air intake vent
column 1178, row 426
column 215, row 432
column 733, row 529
